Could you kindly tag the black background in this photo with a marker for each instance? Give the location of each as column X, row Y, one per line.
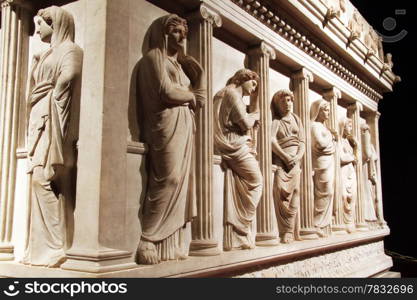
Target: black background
column 397, row 125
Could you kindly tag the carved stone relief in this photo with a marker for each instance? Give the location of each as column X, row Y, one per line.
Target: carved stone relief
column 348, row 174
column 323, row 147
column 288, row 147
column 233, row 141
column 370, row 177
column 314, row 161
column 171, row 88
column 344, row 263
column 50, row 137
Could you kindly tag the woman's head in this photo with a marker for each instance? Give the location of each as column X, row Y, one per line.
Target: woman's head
column 320, row 111
column 345, row 127
column 54, row 25
column 176, row 30
column 245, row 78
column 282, row 102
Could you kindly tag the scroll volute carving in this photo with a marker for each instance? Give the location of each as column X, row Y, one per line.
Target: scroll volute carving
column 171, row 87
column 51, row 135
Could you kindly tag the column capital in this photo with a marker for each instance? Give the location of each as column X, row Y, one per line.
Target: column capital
column 332, row 93
column 206, row 13
column 373, row 114
column 264, row 49
column 355, row 106
column 19, row 3
column 303, row 73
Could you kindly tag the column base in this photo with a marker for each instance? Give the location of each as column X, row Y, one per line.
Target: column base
column 362, row 227
column 98, row 261
column 339, row 229
column 308, row 234
column 6, row 252
column 204, row 248
column 383, row 224
column 266, row 239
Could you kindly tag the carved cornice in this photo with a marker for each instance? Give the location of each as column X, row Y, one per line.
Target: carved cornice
column 332, row 93
column 275, row 22
column 208, row 14
column 330, row 14
column 263, row 49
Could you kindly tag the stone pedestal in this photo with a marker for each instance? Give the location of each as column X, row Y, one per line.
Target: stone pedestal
column 14, row 42
column 267, row 233
column 201, row 25
column 300, row 82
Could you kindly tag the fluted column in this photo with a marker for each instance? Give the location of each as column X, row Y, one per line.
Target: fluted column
column 201, row 25
column 14, row 43
column 267, row 229
column 354, row 113
column 373, row 121
column 338, row 226
column 300, row 82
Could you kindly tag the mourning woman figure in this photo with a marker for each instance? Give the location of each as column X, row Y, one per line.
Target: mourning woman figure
column 323, row 149
column 348, row 173
column 170, row 87
column 50, row 136
column 288, row 149
column 243, row 182
column 369, row 159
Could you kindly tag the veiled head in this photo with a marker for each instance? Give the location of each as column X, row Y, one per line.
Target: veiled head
column 320, row 110
column 56, row 25
column 167, row 31
column 345, row 127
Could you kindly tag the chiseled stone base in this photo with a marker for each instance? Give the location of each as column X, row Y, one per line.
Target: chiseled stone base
column 361, row 261
column 354, row 255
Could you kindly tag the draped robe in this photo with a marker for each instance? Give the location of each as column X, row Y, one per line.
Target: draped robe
column 324, row 173
column 51, row 142
column 349, row 183
column 288, row 132
column 243, row 180
column 168, row 129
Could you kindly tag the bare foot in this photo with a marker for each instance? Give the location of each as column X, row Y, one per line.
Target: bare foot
column 246, row 243
column 56, row 262
column 287, row 238
column 147, row 253
column 180, row 254
column 320, row 232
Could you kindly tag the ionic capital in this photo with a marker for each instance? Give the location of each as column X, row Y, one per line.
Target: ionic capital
column 303, row 74
column 357, row 106
column 332, row 93
column 19, row 3
column 263, row 49
column 206, row 13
